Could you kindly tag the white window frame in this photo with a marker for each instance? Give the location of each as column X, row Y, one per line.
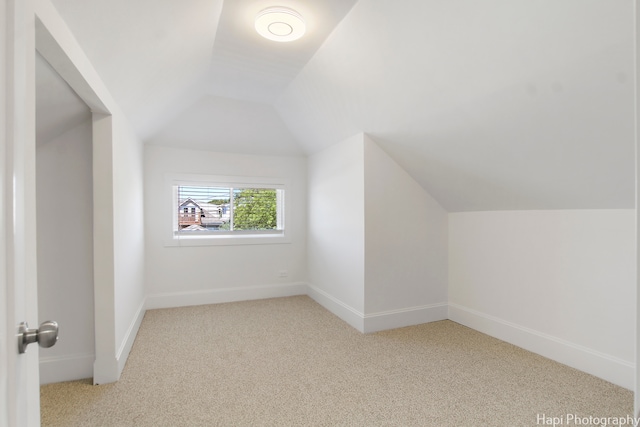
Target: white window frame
column 215, row 238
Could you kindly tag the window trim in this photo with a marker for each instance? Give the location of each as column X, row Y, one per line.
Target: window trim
column 237, row 237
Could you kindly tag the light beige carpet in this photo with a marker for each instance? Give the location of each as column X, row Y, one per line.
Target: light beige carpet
column 289, row 362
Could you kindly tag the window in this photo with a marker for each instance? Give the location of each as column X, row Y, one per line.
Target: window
column 208, row 210
column 228, row 209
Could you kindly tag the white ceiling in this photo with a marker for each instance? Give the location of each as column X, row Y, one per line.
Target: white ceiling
column 151, row 54
column 492, row 104
column 247, row 66
column 231, row 125
column 158, row 57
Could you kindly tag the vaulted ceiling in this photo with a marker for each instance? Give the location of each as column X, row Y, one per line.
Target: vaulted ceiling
column 491, row 104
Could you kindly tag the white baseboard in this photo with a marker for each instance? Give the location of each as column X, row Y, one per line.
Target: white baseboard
column 350, row 315
column 105, row 370
column 217, row 296
column 381, row 321
column 66, row 368
column 130, row 337
column 405, row 317
column 601, row 365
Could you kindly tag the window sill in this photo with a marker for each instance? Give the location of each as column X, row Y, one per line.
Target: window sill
column 229, row 240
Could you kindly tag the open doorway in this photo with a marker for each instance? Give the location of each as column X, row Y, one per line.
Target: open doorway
column 64, row 221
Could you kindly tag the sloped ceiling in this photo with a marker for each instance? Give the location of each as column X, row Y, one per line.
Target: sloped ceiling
column 160, row 57
column 153, row 55
column 230, row 125
column 248, row 73
column 249, row 67
column 491, row 104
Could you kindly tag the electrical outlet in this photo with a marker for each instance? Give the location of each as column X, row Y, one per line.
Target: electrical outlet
column 283, row 273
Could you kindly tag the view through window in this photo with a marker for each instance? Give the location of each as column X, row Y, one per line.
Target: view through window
column 229, row 209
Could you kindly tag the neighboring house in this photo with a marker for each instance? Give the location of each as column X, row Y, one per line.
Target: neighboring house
column 205, row 215
column 189, row 213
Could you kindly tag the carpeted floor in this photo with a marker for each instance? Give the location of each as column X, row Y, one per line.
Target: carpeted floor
column 289, row 362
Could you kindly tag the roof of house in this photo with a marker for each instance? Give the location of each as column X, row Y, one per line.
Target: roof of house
column 193, row 227
column 188, row 202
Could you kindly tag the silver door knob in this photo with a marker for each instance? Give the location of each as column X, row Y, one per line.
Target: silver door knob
column 46, row 336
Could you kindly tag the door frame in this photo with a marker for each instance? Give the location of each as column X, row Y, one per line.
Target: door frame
column 57, row 45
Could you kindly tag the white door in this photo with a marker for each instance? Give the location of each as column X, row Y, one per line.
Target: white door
column 19, row 384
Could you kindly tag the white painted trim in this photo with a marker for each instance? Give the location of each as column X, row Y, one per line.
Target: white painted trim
column 130, row 337
column 58, row 46
column 410, row 316
column 349, row 314
column 105, row 370
column 605, row 366
column 66, row 368
column 216, row 296
column 381, row 321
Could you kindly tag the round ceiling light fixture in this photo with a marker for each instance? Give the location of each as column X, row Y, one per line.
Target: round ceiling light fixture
column 280, row 24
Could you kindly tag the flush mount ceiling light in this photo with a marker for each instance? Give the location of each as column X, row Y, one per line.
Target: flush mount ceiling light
column 280, row 24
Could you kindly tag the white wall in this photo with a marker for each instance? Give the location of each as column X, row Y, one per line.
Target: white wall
column 64, row 205
column 405, row 244
column 336, row 229
column 559, row 283
column 185, row 275
column 377, row 240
